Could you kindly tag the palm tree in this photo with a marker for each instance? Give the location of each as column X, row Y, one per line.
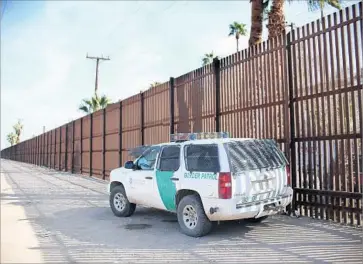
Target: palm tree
column 208, row 58
column 94, row 104
column 237, row 29
column 18, row 127
column 154, row 84
column 258, row 8
column 276, row 19
column 11, row 137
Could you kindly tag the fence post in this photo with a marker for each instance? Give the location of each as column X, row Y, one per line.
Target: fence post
column 90, row 144
column 81, row 159
column 34, row 149
column 290, row 39
column 142, row 118
column 217, row 83
column 60, row 149
column 31, row 149
column 73, row 133
column 37, row 148
column 172, row 104
column 48, row 145
column 104, row 144
column 120, row 137
column 55, row 146
column 40, row 149
column 66, row 150
column 52, row 150
column 43, row 149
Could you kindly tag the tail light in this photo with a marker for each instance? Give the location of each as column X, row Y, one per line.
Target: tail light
column 225, row 185
column 288, row 175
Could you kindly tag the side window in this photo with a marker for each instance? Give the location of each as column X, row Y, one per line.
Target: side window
column 148, row 159
column 170, row 158
column 203, row 158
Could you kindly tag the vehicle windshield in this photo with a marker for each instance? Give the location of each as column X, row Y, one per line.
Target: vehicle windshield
column 254, row 154
column 138, row 151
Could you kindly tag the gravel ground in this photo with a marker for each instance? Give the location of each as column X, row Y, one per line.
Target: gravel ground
column 73, row 223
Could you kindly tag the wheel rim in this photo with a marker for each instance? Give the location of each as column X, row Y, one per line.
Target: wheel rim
column 119, row 202
column 190, row 217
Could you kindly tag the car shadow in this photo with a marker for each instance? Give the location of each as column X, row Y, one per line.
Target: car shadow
column 143, row 229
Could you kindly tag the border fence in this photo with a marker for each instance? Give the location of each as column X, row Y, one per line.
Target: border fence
column 303, row 89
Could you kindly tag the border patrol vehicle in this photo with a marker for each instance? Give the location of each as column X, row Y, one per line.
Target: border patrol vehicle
column 204, row 178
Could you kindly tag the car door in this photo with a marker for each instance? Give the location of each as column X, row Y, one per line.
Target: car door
column 167, row 174
column 141, row 180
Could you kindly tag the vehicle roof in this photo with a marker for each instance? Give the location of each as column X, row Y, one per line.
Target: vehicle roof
column 206, row 141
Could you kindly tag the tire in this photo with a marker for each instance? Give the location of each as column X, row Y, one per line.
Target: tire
column 122, row 208
column 257, row 220
column 201, row 226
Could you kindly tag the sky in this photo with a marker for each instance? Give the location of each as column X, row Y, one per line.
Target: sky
column 44, row 70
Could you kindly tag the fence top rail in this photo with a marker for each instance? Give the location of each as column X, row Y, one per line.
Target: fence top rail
column 323, row 30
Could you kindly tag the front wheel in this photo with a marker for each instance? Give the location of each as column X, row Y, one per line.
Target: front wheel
column 191, row 217
column 119, row 203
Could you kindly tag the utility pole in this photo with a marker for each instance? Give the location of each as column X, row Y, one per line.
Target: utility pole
column 97, row 63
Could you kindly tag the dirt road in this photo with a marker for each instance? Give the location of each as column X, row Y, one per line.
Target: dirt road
column 54, row 216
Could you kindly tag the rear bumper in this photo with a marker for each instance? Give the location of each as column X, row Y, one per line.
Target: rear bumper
column 232, row 210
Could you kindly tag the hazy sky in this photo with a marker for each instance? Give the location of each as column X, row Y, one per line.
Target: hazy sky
column 44, row 70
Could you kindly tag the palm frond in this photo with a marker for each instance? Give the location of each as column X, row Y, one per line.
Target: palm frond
column 95, row 103
column 208, row 58
column 205, row 61
column 84, row 109
column 154, row 84
column 237, row 29
column 314, row 5
column 87, row 102
column 104, row 101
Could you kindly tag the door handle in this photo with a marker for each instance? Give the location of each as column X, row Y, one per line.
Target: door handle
column 149, row 178
column 174, row 179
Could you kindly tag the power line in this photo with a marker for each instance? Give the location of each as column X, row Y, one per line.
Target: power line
column 124, row 20
column 162, row 11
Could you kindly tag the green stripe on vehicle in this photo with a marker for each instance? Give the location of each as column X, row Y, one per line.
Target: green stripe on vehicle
column 167, row 189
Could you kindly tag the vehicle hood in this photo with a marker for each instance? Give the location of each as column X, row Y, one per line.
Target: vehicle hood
column 118, row 171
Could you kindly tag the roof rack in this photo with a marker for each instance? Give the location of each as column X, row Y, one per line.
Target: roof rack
column 181, row 137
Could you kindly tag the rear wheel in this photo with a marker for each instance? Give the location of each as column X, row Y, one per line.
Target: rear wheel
column 119, row 203
column 191, row 217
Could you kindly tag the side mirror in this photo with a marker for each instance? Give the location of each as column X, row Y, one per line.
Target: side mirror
column 129, row 165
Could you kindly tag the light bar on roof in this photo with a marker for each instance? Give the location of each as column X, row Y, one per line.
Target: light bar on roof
column 198, row 135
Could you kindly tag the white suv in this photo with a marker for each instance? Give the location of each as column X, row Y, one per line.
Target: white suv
column 204, row 180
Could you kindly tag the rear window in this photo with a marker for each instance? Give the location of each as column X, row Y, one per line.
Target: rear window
column 203, row 158
column 254, row 154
